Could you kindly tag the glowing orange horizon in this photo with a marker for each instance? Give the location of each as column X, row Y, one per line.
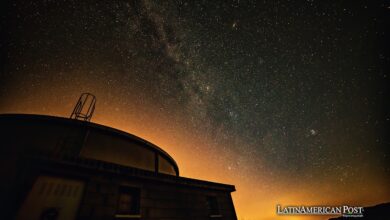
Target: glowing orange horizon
column 199, row 157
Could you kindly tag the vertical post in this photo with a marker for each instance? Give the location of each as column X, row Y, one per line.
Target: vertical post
column 156, row 162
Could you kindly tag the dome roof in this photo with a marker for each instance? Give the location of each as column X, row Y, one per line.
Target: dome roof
column 51, row 135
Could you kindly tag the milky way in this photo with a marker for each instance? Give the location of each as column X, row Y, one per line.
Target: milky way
column 285, row 100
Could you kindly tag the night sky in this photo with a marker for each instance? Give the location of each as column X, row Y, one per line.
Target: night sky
column 286, row 100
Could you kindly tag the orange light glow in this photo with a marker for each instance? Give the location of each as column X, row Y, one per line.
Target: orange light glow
column 199, row 157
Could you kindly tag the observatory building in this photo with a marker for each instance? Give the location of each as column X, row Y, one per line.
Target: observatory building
column 57, row 168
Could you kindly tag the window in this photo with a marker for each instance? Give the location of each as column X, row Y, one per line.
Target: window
column 119, row 150
column 164, row 166
column 128, row 203
column 212, row 205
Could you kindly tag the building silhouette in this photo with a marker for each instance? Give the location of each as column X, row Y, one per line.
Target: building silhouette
column 57, row 168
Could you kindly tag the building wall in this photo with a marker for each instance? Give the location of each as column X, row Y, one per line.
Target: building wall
column 34, row 154
column 52, row 196
column 157, row 200
column 100, row 186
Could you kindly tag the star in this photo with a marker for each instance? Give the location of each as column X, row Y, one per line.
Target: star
column 276, row 84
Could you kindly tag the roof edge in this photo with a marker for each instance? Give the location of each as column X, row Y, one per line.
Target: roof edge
column 94, row 125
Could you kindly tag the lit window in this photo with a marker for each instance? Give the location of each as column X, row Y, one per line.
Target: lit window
column 128, row 203
column 212, row 205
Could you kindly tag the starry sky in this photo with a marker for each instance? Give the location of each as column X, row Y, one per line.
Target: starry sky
column 286, row 100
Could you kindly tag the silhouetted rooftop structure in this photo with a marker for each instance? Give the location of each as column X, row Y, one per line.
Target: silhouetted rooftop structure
column 61, row 168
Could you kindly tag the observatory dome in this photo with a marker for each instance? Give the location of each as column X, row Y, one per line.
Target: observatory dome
column 56, row 136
